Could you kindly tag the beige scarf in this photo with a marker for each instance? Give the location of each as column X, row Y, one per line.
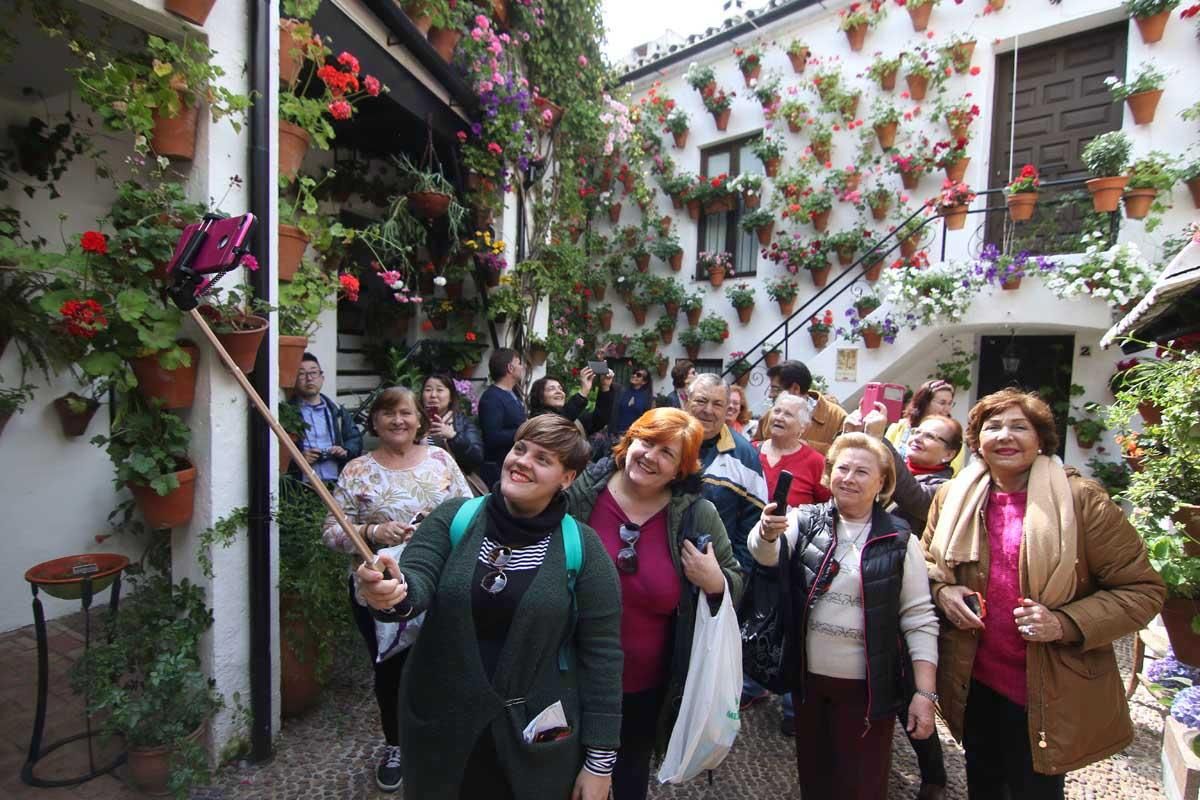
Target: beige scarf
column 1048, row 548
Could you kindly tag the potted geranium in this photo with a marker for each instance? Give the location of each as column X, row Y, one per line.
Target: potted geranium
column 1021, row 194
column 677, row 123
column 910, row 234
column 700, row 78
column 668, row 249
column 846, row 244
column 716, row 265
column 766, row 90
column 951, row 156
column 691, row 339
column 911, row 166
column 604, row 314
column 814, row 257
column 749, row 61
column 1148, row 176
column 879, row 200
column 952, row 203
column 739, row 366
column 741, row 297
column 783, row 290
column 920, row 68
column 883, row 71
column 665, row 326
column 692, row 305
column 749, row 186
column 819, row 328
column 794, row 112
column 918, row 12
column 1141, row 94
column 865, row 303
column 816, row 207
column 820, row 140
column 885, row 119
column 855, row 19
column 717, row 102
column 769, row 150
column 772, row 354
column 958, row 114
column 1106, row 157
column 761, row 222
column 958, row 50
column 240, row 324
column 797, row 53
column 1088, row 429
column 713, row 329
column 1151, row 17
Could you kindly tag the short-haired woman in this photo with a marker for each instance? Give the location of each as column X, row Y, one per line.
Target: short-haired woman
column 646, row 507
column 382, row 492
column 785, row 449
column 1031, row 689
column 506, row 637
column 862, row 605
column 934, row 397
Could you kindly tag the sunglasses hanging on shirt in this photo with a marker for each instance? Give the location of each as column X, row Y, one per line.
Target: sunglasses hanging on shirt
column 627, row 557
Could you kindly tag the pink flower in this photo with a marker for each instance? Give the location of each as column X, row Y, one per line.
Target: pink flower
column 482, row 21
column 974, row 70
column 340, row 109
column 494, row 148
column 372, row 84
column 583, row 60
column 476, row 34
column 250, row 262
column 349, row 62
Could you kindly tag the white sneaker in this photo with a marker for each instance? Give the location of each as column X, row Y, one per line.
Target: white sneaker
column 388, row 775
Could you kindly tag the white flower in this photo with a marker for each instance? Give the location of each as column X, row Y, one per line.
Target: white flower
column 440, row 280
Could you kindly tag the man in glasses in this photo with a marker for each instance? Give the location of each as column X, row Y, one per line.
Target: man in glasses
column 331, row 438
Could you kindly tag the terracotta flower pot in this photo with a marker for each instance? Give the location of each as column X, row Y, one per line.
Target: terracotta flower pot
column 1151, row 28
column 676, row 261
column 961, row 54
column 175, row 137
column 742, row 379
column 693, row 351
column 721, row 118
column 763, row 232
column 1187, row 517
column 996, row 5
column 444, row 41
column 1194, row 187
column 671, row 309
column 879, row 212
column 1021, row 205
column 819, row 338
column 911, row 178
column 677, row 202
column 662, row 365
column 863, row 311
column 772, row 358
column 170, row 510
column 955, row 170
column 299, row 688
column 639, row 314
column 886, row 134
column 537, row 356
column 1084, row 442
column 290, row 58
column 149, row 768
column 799, row 60
column 693, row 209
column 1150, row 413
column 1177, row 615
column 822, row 152
column 845, row 256
column 693, row 317
column 771, row 167
column 680, row 139
column 820, row 277
column 908, row 246
column 293, row 145
column 243, row 345
column 292, row 244
column 175, row 387
column 820, row 220
column 786, row 307
column 195, row 11
column 874, row 271
column 614, row 213
column 1106, row 192
column 606, row 320
column 1010, row 284
column 628, row 180
column 75, row 423
column 955, row 216
column 918, row 85
column 291, row 350
column 751, row 200
column 716, row 276
column 872, row 339
column 667, row 336
column 1138, row 202
column 1142, row 105
column 887, row 80
column 856, row 36
column 745, row 313
column 416, row 12
column 751, row 73
column 919, row 16
column 958, row 131
column 429, row 205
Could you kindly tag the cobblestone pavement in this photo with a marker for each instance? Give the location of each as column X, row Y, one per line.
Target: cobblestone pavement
column 331, row 752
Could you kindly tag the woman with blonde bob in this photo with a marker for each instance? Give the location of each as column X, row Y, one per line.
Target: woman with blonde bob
column 861, row 601
column 1030, row 683
column 645, row 504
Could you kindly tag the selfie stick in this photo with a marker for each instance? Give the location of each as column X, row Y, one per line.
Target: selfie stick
column 186, row 287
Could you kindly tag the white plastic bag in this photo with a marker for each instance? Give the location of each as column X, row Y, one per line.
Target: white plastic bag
column 708, row 719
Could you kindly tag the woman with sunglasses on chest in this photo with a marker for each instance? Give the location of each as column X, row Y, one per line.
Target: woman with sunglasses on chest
column 648, row 515
column 861, row 603
column 511, row 629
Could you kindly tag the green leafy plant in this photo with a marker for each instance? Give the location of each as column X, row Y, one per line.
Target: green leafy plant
column 882, row 67
column 1147, row 79
column 1088, row 427
column 955, row 369
column 1112, row 475
column 13, row 401
column 1147, row 8
column 698, row 77
column 146, row 445
column 311, row 292
column 741, row 295
column 758, row 218
column 1107, row 155
column 1152, row 171
column 713, row 328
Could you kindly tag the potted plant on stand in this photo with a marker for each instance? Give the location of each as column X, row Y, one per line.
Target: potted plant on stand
column 1148, row 176
column 819, row 328
column 1021, row 194
column 1141, row 94
column 741, row 297
column 1106, row 157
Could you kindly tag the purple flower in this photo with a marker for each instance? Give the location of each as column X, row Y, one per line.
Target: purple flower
column 476, row 129
column 1186, row 707
column 1171, row 673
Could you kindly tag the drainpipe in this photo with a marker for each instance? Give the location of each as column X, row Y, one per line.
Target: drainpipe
column 262, row 28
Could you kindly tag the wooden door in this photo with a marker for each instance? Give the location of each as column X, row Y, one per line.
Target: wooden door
column 1062, row 103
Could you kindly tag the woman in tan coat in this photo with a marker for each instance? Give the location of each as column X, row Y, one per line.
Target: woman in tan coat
column 1031, row 689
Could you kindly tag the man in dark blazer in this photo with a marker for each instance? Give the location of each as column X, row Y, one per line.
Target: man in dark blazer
column 501, row 411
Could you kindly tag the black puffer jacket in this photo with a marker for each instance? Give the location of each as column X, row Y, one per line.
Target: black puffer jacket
column 467, row 444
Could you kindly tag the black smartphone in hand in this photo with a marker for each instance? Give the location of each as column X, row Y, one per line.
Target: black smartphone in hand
column 782, row 489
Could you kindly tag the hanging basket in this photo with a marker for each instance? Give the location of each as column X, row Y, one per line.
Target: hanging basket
column 175, row 137
column 194, row 11
column 1106, row 192
column 1021, row 205
column 1138, row 202
column 176, row 388
column 429, row 205
column 293, row 145
column 170, row 510
column 75, row 422
column 242, row 345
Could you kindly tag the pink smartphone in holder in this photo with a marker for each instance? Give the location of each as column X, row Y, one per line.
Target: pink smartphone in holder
column 210, row 247
column 890, row 394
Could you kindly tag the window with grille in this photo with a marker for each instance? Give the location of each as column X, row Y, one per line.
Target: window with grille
column 720, row 232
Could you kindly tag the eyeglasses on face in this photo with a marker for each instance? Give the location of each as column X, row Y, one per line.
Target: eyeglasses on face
column 306, row 374
column 921, row 433
column 627, row 557
column 495, row 581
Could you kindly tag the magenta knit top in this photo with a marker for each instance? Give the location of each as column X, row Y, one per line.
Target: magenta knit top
column 1000, row 659
column 648, row 597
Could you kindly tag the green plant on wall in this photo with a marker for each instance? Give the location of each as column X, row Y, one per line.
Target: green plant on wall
column 955, row 369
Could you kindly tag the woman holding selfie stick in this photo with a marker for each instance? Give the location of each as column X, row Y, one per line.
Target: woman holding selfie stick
column 513, row 635
column 383, row 492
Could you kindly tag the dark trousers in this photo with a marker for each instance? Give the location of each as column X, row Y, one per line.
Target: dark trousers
column 999, row 759
column 639, row 726
column 929, row 755
column 483, row 777
column 387, row 673
column 837, row 756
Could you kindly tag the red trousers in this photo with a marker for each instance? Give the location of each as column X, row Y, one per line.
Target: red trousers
column 837, row 756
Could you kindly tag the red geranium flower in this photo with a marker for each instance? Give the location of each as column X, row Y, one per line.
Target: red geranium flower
column 349, row 62
column 350, row 286
column 340, row 109
column 83, row 318
column 94, row 242
column 470, row 336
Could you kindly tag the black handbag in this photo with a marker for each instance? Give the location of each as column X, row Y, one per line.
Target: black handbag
column 766, row 620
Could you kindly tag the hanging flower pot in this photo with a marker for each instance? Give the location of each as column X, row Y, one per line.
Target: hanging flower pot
column 819, row 338
column 292, row 244
column 955, row 216
column 771, row 166
column 1085, row 442
column 415, row 10
column 887, row 80
column 820, row 277
column 886, row 134
column 482, row 218
column 745, row 313
column 919, row 16
column 822, row 151
column 856, row 36
column 763, row 232
column 606, row 320
column 918, row 85
column 293, row 145
column 794, row 126
column 959, row 131
column 845, row 256
column 170, row 510
column 693, row 208
column 1021, row 205
column 772, row 358
column 291, row 351
column 1138, row 202
column 429, row 205
column 1010, row 284
column 680, row 139
column 671, row 309
column 1151, row 414
column 677, row 201
column 995, row 5
column 874, row 271
column 444, row 41
column 74, row 413
column 872, row 339
column 1151, row 28
column 1106, row 192
column 663, row 363
column 1142, row 105
column 721, row 118
column 752, row 73
column 667, row 335
column 642, row 262
column 543, row 104
column 693, row 317
column 751, row 200
column 693, row 351
column 742, row 379
column 1194, row 187
column 676, row 261
column 960, row 56
column 614, row 213
column 820, row 220
column 879, row 211
column 910, row 178
column 720, row 206
column 1177, row 613
column 243, row 345
column 716, row 276
column 537, row 355
column 908, row 246
column 290, row 57
column 175, row 137
column 628, row 180
column 175, row 387
column 786, row 307
column 195, row 11
column 799, row 60
column 956, row 170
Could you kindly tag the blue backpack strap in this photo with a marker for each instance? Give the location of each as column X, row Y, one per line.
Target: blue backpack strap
column 573, row 546
column 463, row 517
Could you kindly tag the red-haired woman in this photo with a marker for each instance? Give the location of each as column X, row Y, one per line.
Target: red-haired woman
column 645, row 503
column 934, row 397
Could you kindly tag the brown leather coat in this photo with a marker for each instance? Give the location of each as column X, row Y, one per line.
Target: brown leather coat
column 1076, row 703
